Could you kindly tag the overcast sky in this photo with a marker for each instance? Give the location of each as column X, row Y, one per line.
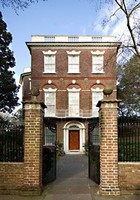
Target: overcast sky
column 58, row 17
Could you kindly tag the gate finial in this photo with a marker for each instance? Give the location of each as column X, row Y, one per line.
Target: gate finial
column 108, row 90
column 34, row 93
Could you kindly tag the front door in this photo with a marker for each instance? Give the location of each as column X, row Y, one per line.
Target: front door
column 74, row 140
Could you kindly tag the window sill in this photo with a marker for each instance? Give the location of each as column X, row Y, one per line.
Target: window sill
column 49, row 72
column 73, row 72
column 98, row 72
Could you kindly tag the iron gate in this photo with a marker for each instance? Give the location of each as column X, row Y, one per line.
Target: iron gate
column 49, row 152
column 94, row 150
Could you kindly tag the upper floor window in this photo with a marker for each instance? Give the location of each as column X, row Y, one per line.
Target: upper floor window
column 50, row 102
column 97, row 61
column 74, row 101
column 73, row 61
column 49, row 61
column 97, row 94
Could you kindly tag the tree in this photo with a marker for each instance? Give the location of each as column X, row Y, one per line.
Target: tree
column 17, row 4
column 8, row 87
column 129, row 87
column 129, row 66
column 129, row 9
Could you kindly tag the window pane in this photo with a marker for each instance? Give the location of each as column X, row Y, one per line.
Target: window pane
column 95, row 136
column 97, row 64
column 97, row 59
column 49, row 59
column 49, row 63
column 50, row 101
column 98, row 68
column 49, row 137
column 73, row 64
column 74, row 103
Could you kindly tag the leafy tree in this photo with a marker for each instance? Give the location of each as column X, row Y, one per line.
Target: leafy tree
column 8, row 87
column 17, row 4
column 17, row 118
column 129, row 87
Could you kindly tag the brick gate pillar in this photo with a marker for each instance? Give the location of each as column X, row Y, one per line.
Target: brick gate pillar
column 108, row 114
column 33, row 143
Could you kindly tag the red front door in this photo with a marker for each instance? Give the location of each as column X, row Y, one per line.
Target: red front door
column 74, row 140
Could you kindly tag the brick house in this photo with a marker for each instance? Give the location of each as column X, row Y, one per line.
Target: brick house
column 71, row 73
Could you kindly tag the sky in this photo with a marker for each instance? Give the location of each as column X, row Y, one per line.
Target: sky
column 52, row 17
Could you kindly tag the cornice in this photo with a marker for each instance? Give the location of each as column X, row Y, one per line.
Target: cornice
column 73, row 44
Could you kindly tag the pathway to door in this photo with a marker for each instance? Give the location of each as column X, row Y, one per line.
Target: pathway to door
column 72, row 183
column 72, row 180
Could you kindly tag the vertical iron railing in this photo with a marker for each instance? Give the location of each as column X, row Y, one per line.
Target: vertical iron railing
column 11, row 143
column 129, row 139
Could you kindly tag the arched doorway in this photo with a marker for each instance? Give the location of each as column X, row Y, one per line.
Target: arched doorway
column 74, row 137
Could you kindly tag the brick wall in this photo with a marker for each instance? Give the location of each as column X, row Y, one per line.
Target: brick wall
column 11, row 177
column 108, row 148
column 129, row 177
column 33, row 140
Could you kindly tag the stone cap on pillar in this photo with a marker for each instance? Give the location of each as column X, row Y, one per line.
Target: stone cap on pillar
column 35, row 102
column 34, row 93
column 107, row 99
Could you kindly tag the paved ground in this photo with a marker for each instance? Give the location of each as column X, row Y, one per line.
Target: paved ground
column 72, row 183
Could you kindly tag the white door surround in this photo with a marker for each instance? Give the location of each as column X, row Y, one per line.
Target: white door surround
column 74, row 125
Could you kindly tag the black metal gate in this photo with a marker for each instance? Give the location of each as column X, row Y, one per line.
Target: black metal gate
column 49, row 152
column 94, row 150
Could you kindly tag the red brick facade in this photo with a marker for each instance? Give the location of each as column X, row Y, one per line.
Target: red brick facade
column 61, row 80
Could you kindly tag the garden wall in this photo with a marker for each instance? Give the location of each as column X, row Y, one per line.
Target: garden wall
column 129, row 177
column 11, row 177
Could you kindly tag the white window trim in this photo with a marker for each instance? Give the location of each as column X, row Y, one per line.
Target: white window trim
column 74, row 53
column 73, row 89
column 49, row 53
column 97, row 53
column 50, row 90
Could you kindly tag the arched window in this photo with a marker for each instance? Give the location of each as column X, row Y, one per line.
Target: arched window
column 50, row 102
column 74, row 102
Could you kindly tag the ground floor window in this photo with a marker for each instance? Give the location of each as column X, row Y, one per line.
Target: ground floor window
column 50, row 137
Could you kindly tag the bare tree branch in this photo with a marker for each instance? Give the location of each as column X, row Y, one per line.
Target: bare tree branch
column 18, row 4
